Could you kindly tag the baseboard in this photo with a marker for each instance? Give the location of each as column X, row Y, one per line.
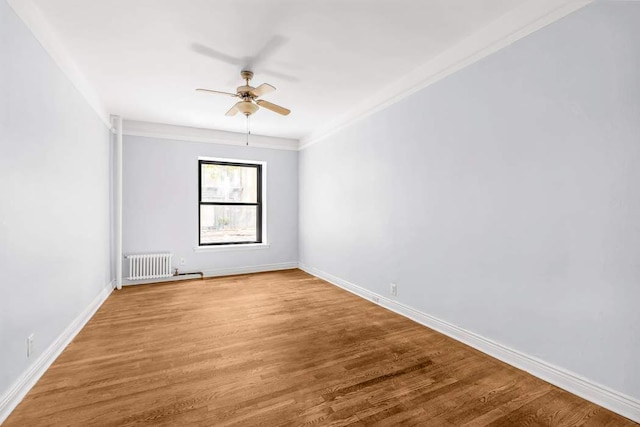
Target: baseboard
column 28, row 379
column 217, row 273
column 569, row 381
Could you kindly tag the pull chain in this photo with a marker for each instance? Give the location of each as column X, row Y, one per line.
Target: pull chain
column 248, row 129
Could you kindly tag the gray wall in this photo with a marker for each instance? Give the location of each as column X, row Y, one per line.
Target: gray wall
column 160, row 210
column 504, row 199
column 54, row 199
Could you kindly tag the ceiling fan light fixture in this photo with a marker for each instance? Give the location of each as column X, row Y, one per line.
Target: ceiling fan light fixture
column 247, row 107
column 249, row 95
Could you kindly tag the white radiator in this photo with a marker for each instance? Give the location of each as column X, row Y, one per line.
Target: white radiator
column 149, row 266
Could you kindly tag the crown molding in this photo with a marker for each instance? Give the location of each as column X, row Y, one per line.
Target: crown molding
column 214, row 136
column 520, row 22
column 32, row 17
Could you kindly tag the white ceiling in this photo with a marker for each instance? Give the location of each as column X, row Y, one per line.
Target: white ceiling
column 144, row 58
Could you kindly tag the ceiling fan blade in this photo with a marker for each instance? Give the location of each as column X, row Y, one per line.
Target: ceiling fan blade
column 217, row 92
column 273, row 107
column 233, row 110
column 263, row 89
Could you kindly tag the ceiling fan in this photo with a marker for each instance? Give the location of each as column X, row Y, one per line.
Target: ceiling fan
column 249, row 103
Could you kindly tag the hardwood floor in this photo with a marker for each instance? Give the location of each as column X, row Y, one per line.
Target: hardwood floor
column 281, row 348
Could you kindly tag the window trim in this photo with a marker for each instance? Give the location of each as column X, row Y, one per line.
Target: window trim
column 230, row 248
column 260, row 203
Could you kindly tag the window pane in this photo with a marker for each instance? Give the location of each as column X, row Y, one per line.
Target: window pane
column 223, row 183
column 223, row 224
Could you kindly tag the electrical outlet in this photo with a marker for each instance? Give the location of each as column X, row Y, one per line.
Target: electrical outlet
column 393, row 288
column 183, row 261
column 29, row 345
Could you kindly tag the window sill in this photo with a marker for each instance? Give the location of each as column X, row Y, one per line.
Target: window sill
column 230, row 248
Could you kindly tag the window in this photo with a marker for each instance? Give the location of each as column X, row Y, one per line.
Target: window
column 229, row 202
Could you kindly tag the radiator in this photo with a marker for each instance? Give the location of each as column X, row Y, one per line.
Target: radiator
column 149, row 266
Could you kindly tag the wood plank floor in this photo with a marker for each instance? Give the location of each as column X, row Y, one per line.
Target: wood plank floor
column 281, row 348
